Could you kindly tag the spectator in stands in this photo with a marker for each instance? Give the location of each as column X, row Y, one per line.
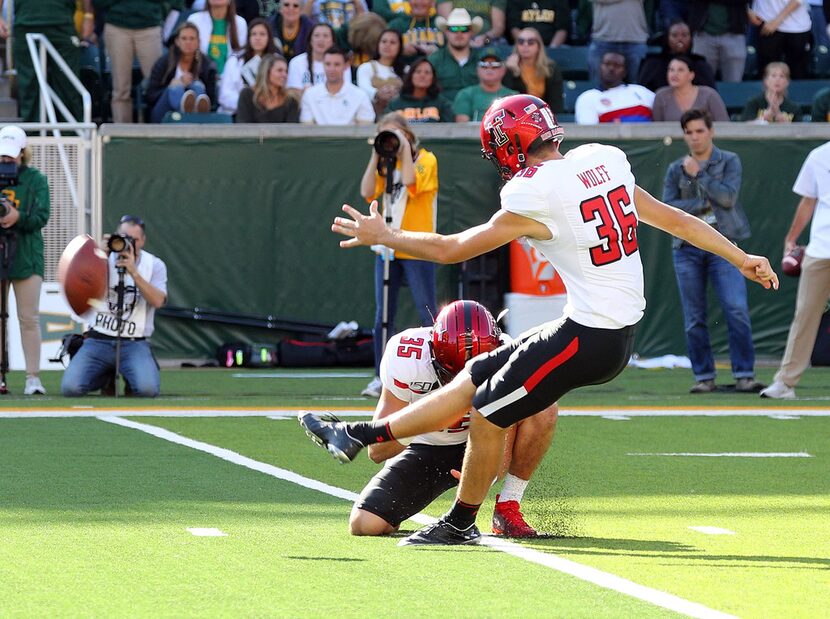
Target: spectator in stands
column 183, row 79
column 785, row 34
column 132, row 29
column 390, row 10
column 249, row 10
column 421, row 35
column 292, row 28
column 491, row 12
column 530, row 71
column 618, row 26
column 471, row 102
column 306, row 69
column 421, row 100
column 456, row 64
column 382, row 77
column 27, row 211
column 95, row 362
column 222, row 32
column 819, row 23
column 551, row 18
column 268, row 101
column 336, row 101
column 773, row 105
column 55, row 20
column 719, row 32
column 820, row 112
column 814, row 282
column 681, row 95
column 335, row 13
column 614, row 101
column 241, row 69
column 672, row 11
column 678, row 40
column 706, row 184
column 362, row 34
column 413, row 205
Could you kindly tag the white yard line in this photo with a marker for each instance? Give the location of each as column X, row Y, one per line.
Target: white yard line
column 206, row 532
column 583, row 572
column 91, row 411
column 712, row 530
column 735, row 454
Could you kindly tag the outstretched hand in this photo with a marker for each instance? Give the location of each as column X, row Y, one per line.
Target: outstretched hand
column 758, row 269
column 364, row 229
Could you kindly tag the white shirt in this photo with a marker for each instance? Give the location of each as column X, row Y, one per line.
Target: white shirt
column 300, row 78
column 406, row 371
column 623, row 103
column 814, row 182
column 236, row 76
column 797, row 21
column 347, row 106
column 587, row 202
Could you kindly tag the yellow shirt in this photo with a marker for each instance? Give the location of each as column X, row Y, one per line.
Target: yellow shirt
column 421, row 211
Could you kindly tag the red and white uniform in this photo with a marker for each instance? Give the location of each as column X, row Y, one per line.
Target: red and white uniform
column 587, row 202
column 406, row 371
column 626, row 103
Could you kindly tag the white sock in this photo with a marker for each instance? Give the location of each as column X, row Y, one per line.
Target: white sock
column 513, row 489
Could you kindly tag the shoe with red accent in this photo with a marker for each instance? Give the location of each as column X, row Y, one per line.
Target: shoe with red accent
column 508, row 520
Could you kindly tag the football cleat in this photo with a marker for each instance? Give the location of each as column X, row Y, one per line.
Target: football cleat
column 509, row 521
column 332, row 434
column 442, row 533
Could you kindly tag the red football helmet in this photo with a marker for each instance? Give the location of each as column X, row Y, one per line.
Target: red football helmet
column 510, row 125
column 462, row 330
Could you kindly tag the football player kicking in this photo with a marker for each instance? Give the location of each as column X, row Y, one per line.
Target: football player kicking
column 581, row 212
column 418, row 470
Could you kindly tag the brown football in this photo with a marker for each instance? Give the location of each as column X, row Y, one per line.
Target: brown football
column 791, row 263
column 82, row 273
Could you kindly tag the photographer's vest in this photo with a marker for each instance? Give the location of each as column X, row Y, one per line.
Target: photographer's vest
column 135, row 314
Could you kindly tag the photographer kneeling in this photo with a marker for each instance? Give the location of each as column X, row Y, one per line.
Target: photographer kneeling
column 144, row 290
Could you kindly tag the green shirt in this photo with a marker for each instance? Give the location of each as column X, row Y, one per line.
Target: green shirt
column 44, row 12
column 426, row 110
column 218, row 46
column 547, row 16
column 473, row 101
column 417, row 32
column 717, row 19
column 479, row 8
column 821, row 106
column 136, row 14
column 31, row 198
column 756, row 106
column 450, row 75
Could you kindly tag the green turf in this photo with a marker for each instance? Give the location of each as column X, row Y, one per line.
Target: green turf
column 221, row 388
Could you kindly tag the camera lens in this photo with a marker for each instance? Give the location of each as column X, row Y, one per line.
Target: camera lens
column 387, row 144
column 117, row 243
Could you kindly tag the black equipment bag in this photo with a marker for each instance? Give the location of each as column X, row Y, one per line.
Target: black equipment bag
column 821, row 350
column 348, row 352
column 240, row 354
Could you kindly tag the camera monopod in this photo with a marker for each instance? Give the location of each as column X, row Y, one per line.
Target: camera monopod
column 389, row 162
column 8, row 247
column 119, row 322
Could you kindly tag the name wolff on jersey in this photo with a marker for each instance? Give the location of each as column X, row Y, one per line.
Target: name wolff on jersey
column 594, row 176
column 108, row 322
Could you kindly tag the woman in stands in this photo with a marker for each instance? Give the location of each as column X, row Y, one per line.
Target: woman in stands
column 292, row 28
column 531, row 72
column 183, row 79
column 222, row 33
column 241, row 69
column 382, row 77
column 773, row 105
column 682, row 94
column 678, row 42
column 421, row 100
column 306, row 69
column 269, row 101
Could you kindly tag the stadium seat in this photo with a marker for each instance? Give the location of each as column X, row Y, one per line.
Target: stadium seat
column 572, row 61
column 820, row 62
column 803, row 92
column 214, row 118
column 751, row 64
column 93, row 80
column 572, row 89
column 736, row 94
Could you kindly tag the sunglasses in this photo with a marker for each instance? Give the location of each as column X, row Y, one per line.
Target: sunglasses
column 523, row 41
column 291, row 6
column 132, row 219
column 491, row 64
column 459, row 28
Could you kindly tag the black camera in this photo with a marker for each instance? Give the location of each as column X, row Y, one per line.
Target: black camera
column 387, row 144
column 8, row 178
column 120, row 242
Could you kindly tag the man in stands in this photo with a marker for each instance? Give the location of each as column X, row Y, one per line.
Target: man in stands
column 418, row 470
column 614, row 101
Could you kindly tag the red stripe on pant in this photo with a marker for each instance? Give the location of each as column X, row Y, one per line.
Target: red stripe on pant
column 550, row 365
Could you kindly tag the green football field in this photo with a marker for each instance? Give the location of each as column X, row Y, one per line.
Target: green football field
column 211, row 501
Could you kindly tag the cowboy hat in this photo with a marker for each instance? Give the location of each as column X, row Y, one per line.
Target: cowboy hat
column 460, row 18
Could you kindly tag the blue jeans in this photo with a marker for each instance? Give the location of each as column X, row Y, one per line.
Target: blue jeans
column 694, row 268
column 94, row 363
column 633, row 52
column 171, row 99
column 819, row 27
column 419, row 275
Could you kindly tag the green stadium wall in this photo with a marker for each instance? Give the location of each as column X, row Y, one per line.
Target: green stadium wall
column 241, row 215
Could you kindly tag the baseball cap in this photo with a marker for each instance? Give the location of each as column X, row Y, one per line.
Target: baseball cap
column 490, row 52
column 12, row 141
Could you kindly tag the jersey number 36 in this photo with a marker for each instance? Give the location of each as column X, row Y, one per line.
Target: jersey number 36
column 616, row 227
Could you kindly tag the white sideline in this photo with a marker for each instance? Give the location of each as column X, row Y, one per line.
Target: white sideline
column 583, row 572
column 737, row 454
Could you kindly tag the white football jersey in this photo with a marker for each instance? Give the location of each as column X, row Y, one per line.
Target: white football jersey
column 587, row 202
column 406, row 371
